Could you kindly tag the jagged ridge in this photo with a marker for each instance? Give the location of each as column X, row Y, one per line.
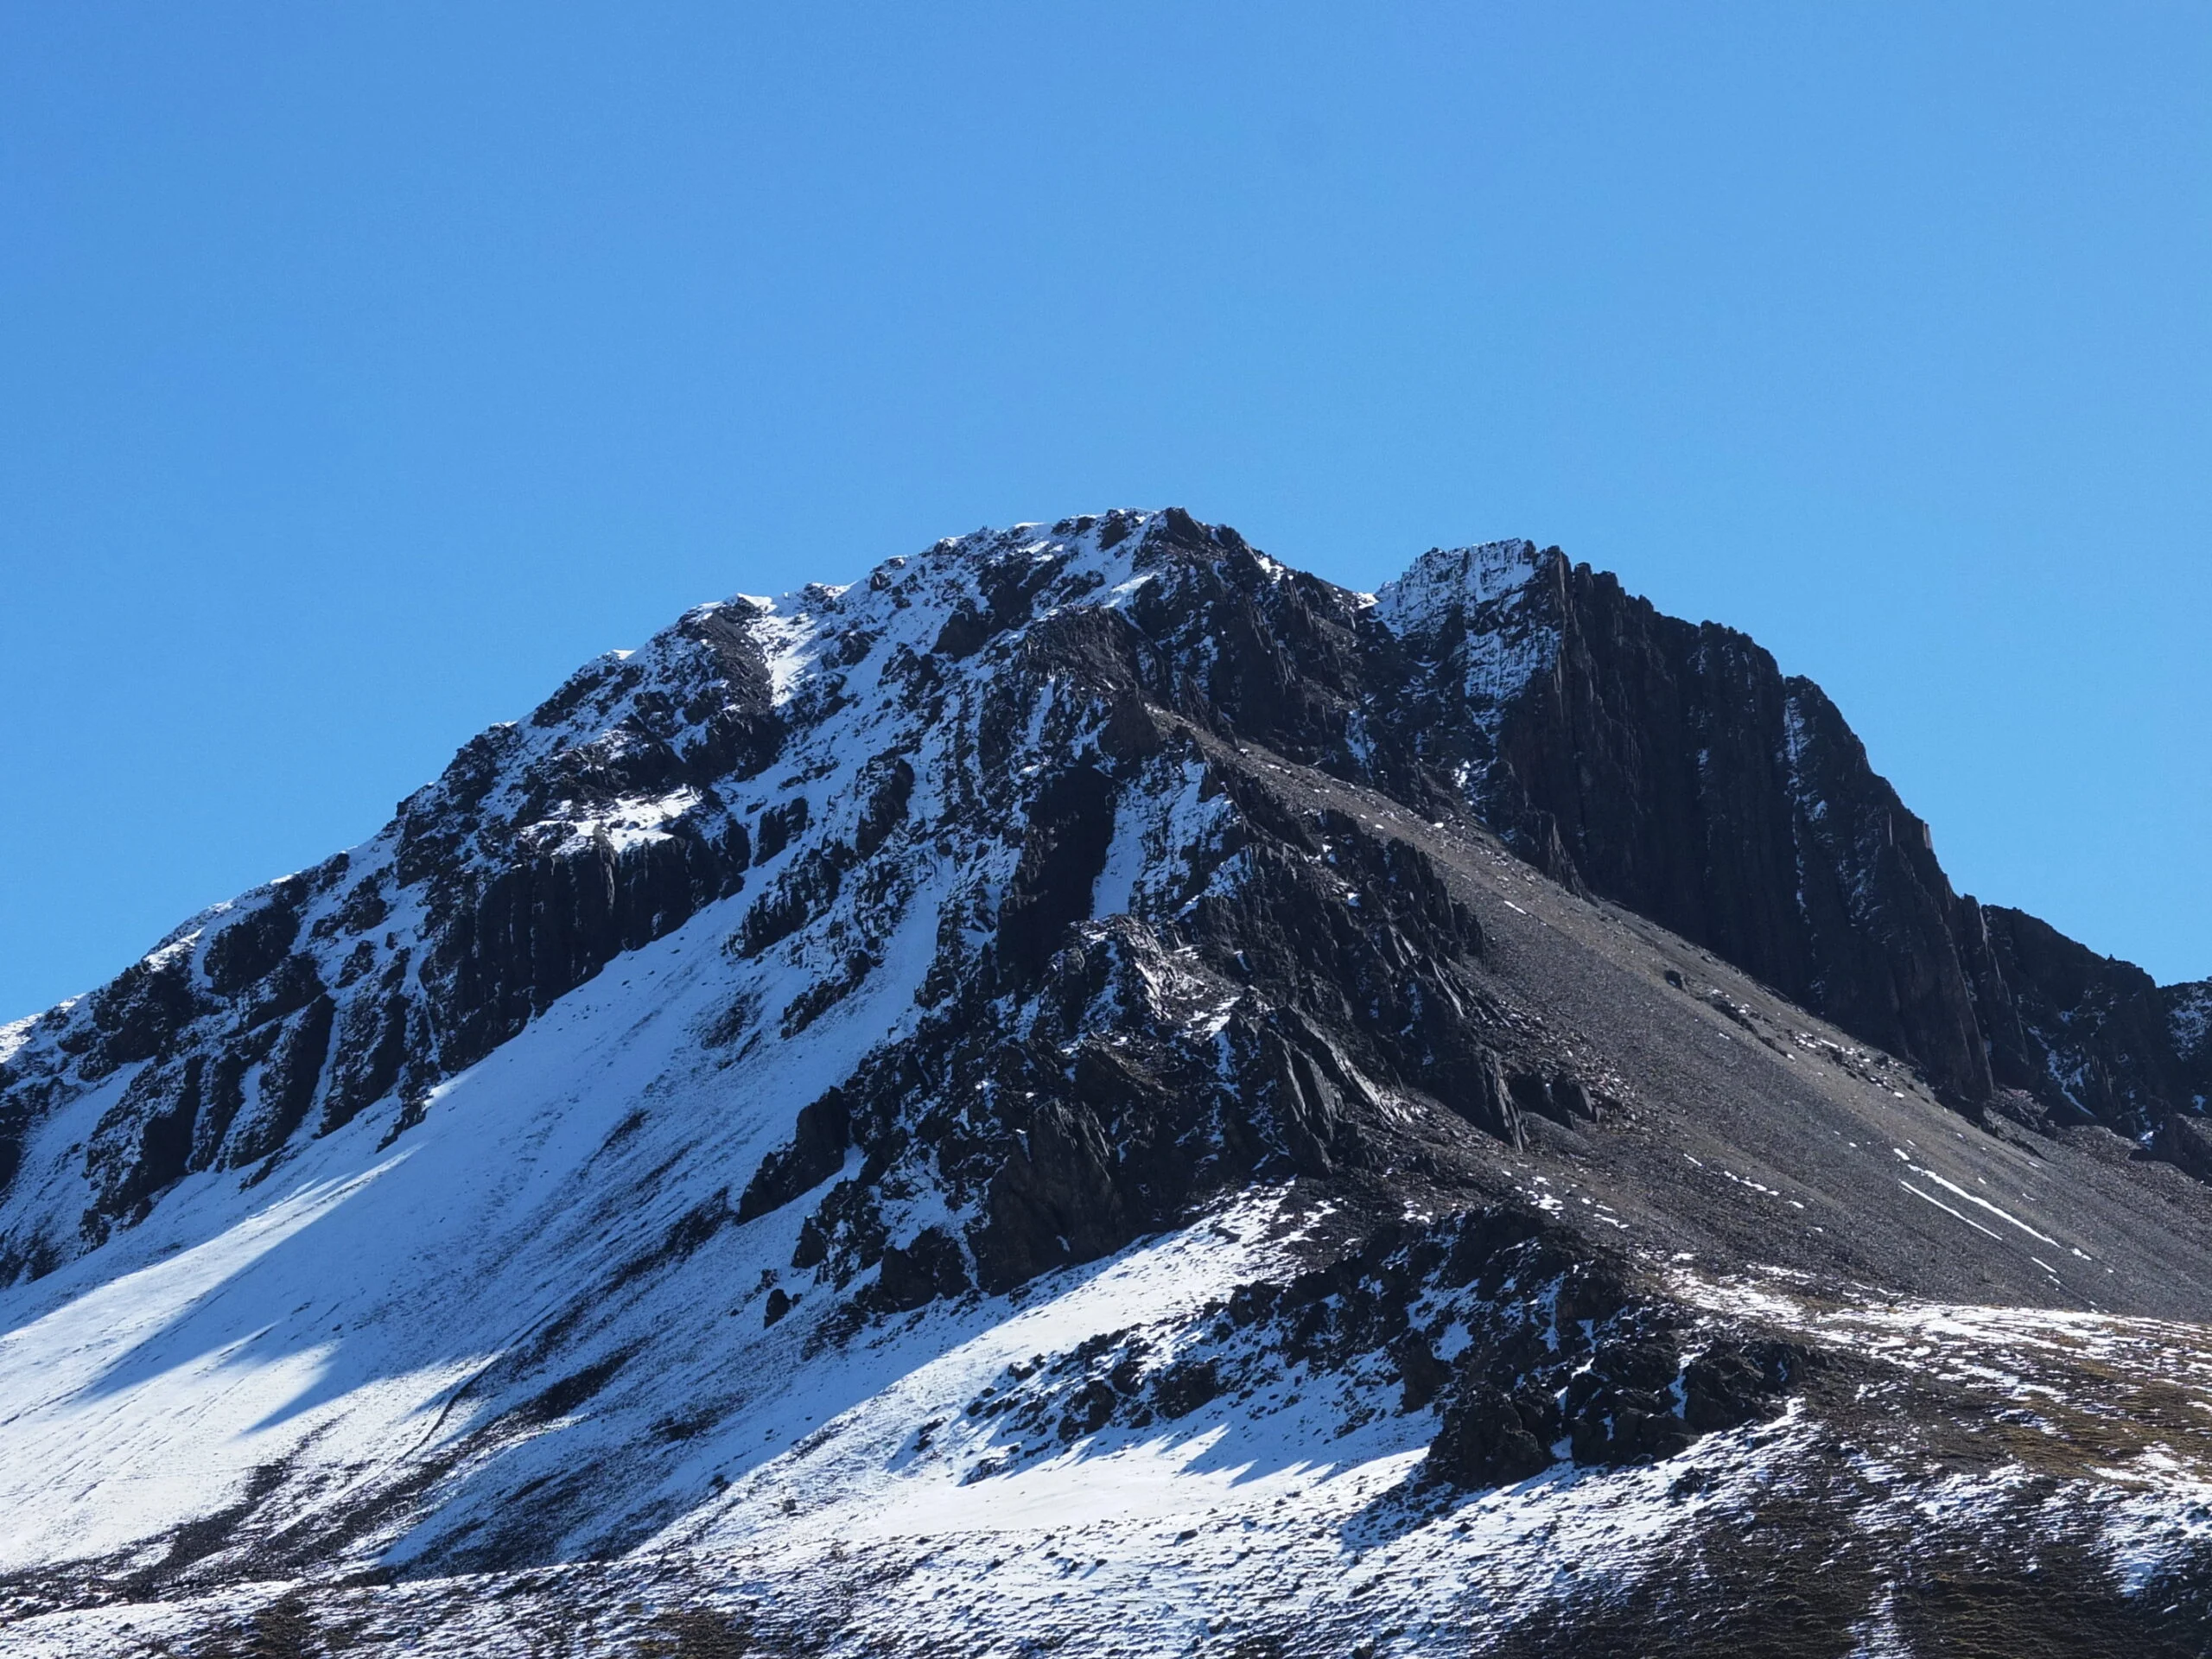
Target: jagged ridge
column 1670, row 767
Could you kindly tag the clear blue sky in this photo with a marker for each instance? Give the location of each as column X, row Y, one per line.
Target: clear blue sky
column 363, row 367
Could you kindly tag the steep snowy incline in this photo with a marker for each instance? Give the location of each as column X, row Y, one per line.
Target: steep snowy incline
column 629, row 800
column 316, row 1289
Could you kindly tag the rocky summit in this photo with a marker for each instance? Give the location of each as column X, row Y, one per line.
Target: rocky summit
column 1092, row 1093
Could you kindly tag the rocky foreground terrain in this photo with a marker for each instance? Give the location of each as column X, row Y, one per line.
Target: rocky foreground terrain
column 1091, row 1093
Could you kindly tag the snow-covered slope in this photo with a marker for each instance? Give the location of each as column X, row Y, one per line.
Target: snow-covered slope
column 1017, row 1101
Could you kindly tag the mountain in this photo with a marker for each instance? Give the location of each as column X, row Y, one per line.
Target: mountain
column 1093, row 1092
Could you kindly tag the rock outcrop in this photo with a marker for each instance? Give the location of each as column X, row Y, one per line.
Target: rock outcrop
column 1673, row 768
column 2188, row 1027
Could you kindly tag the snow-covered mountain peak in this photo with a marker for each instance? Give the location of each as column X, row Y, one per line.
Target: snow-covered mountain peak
column 1446, row 582
column 770, row 746
column 979, row 585
column 1023, row 1096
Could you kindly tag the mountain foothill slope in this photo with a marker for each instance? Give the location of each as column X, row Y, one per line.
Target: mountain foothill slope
column 1091, row 1090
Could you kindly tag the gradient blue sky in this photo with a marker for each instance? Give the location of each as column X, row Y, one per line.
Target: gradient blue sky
column 365, row 368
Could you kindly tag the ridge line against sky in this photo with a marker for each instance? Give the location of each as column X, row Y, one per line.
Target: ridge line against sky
column 368, row 370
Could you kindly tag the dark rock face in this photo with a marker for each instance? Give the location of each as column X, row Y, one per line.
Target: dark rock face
column 1485, row 1440
column 815, row 1152
column 1062, row 854
column 914, row 1274
column 1628, row 1399
column 1673, row 768
column 1113, row 1114
column 2189, row 1025
column 2087, row 1035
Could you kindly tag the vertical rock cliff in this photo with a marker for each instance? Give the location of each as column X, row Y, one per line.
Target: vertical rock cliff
column 1672, row 767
